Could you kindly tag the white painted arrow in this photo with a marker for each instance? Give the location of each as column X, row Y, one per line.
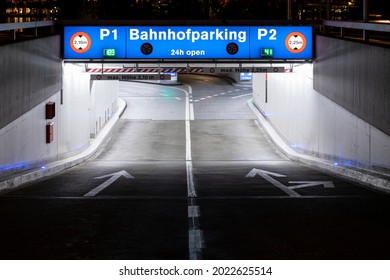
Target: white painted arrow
column 114, row 177
column 267, row 176
column 306, row 184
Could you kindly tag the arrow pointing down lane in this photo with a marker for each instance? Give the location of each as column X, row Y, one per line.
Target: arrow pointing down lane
column 266, row 176
column 113, row 178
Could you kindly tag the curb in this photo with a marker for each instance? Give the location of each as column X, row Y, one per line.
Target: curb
column 324, row 165
column 58, row 166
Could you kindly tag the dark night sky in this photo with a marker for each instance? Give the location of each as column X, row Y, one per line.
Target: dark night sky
column 197, row 9
column 179, row 9
column 191, row 9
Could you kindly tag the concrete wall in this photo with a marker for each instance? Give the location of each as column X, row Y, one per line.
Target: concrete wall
column 104, row 102
column 30, row 73
column 313, row 124
column 355, row 76
column 23, row 141
column 80, row 104
column 74, row 110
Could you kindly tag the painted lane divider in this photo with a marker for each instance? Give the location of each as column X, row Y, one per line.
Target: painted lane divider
column 242, row 95
column 195, row 234
column 113, row 178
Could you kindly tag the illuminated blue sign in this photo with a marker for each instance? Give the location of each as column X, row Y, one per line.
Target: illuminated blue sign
column 188, row 42
column 90, row 42
column 287, row 42
column 184, row 42
column 246, row 76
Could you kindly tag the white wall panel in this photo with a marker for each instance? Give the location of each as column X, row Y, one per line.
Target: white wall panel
column 23, row 141
column 74, row 112
column 380, row 147
column 313, row 124
column 104, row 96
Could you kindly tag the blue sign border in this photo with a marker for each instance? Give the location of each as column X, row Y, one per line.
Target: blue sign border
column 188, row 42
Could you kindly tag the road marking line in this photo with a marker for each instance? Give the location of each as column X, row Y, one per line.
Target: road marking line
column 188, row 141
column 266, row 175
column 307, row 184
column 195, row 243
column 192, row 114
column 195, row 235
column 113, row 178
column 101, row 187
column 188, row 94
column 191, row 191
column 193, row 212
column 243, row 95
column 189, row 115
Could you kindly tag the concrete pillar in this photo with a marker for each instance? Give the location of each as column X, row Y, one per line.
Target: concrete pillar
column 365, row 19
column 365, row 11
column 289, row 13
column 328, row 7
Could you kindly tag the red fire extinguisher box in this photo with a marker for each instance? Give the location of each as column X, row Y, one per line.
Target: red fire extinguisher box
column 50, row 110
column 49, row 133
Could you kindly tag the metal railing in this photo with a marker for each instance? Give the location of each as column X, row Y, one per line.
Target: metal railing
column 380, row 32
column 15, row 27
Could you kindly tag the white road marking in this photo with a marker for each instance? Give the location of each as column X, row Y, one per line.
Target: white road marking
column 192, row 115
column 243, row 95
column 306, row 184
column 191, row 192
column 195, row 243
column 211, row 96
column 113, row 178
column 193, row 212
column 195, row 235
column 189, row 115
column 266, row 176
column 289, row 189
